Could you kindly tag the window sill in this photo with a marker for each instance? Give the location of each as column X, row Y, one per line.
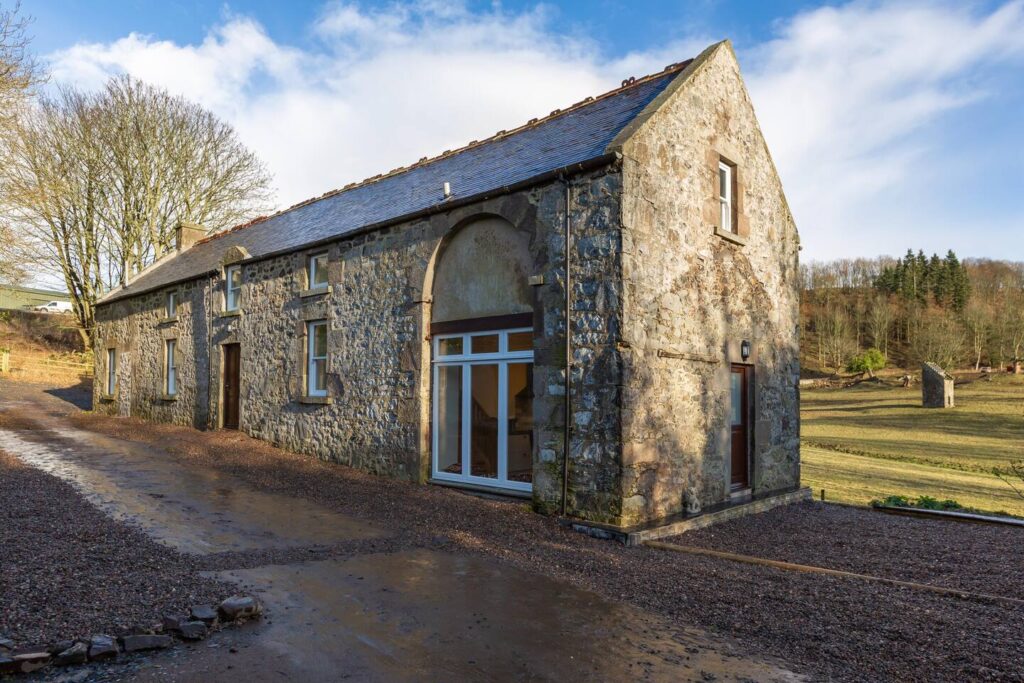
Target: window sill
column 167, row 321
column 730, row 236
column 317, row 400
column 167, row 398
column 315, row 291
column 107, row 398
column 230, row 314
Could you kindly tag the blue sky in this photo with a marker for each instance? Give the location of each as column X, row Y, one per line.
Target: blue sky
column 894, row 124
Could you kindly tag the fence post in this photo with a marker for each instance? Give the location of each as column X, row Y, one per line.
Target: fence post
column 5, row 360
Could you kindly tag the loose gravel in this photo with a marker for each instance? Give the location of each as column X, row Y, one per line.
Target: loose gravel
column 68, row 571
column 972, row 557
column 830, row 628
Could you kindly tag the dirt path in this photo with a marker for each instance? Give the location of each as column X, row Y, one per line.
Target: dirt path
column 349, row 593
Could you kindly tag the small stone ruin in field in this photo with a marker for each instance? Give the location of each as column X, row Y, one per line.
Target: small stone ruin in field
column 936, row 387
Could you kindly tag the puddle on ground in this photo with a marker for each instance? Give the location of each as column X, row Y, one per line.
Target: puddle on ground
column 424, row 615
column 189, row 507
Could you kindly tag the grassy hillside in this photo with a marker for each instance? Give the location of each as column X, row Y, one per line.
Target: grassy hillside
column 871, row 441
column 44, row 348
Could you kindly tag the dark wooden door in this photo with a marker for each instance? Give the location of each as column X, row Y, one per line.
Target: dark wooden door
column 740, row 390
column 231, row 373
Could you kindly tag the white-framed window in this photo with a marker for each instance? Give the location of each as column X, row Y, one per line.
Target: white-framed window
column 316, row 271
column 232, row 288
column 111, row 372
column 726, row 198
column 172, row 304
column 482, row 408
column 316, row 358
column 170, row 368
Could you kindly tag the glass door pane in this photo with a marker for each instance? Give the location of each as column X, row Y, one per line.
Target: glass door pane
column 520, row 422
column 736, row 397
column 484, row 421
column 449, row 419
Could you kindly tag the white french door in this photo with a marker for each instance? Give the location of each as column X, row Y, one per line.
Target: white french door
column 483, row 408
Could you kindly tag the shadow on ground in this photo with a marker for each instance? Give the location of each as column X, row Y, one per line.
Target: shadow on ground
column 80, row 395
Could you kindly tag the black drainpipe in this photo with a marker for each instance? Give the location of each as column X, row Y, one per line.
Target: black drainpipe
column 568, row 350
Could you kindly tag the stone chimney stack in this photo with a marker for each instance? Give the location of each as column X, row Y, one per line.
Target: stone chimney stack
column 187, row 234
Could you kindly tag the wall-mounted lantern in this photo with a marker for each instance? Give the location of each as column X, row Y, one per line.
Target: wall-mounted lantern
column 745, row 349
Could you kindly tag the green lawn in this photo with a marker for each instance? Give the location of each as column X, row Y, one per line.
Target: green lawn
column 869, row 441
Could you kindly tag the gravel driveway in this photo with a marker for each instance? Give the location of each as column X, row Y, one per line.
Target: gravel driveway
column 825, row 627
column 972, row 557
column 67, row 570
column 358, row 582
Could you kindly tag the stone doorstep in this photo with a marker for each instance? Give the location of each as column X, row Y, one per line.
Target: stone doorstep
column 634, row 536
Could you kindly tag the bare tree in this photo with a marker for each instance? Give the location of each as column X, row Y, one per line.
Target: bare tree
column 98, row 182
column 835, row 334
column 12, row 269
column 978, row 325
column 52, row 190
column 939, row 338
column 880, row 316
column 19, row 73
column 171, row 161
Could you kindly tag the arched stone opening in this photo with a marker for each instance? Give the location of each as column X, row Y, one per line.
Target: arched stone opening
column 482, row 270
column 480, row 355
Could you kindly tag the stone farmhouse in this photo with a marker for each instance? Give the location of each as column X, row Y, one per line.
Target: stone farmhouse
column 597, row 310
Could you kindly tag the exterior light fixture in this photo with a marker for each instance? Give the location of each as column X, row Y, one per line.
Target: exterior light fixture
column 745, row 349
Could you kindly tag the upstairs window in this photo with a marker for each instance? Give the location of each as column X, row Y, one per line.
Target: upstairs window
column 233, row 288
column 172, row 304
column 726, row 197
column 316, row 357
column 111, row 371
column 170, row 368
column 317, row 271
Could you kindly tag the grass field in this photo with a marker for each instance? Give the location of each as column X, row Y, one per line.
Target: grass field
column 870, row 441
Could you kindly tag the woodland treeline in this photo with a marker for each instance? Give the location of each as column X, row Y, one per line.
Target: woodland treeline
column 913, row 309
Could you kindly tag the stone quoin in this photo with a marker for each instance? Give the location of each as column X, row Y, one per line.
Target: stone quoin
column 414, row 325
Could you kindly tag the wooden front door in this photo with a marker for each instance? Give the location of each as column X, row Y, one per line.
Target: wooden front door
column 740, row 391
column 232, row 360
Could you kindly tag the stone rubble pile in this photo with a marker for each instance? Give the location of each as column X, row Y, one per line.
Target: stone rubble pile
column 199, row 622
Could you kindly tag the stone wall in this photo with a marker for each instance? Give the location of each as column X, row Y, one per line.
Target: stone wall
column 138, row 328
column 692, row 295
column 378, row 312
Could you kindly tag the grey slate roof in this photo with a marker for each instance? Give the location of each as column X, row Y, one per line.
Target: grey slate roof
column 580, row 133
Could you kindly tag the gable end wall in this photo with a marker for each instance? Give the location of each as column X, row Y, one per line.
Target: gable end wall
column 690, row 297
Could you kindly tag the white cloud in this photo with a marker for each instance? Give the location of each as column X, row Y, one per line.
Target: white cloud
column 847, row 98
column 844, row 94
column 371, row 90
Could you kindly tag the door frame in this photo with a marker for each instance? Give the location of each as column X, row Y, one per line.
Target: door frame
column 747, row 371
column 223, row 375
column 502, row 358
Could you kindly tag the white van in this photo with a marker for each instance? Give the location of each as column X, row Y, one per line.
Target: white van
column 55, row 307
